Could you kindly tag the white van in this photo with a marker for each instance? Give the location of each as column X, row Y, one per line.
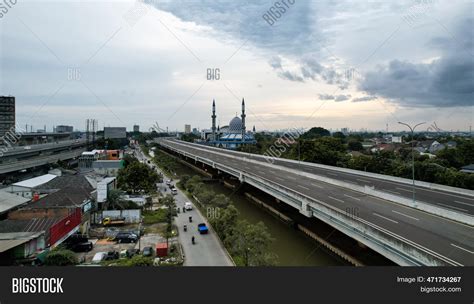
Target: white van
column 188, row 206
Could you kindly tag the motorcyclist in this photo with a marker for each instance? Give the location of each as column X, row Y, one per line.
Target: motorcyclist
column 192, row 240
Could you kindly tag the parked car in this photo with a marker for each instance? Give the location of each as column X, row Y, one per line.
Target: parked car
column 168, row 182
column 132, row 252
column 27, row 148
column 112, row 255
column 81, row 247
column 99, row 257
column 126, row 237
column 188, row 206
column 148, row 251
column 174, row 191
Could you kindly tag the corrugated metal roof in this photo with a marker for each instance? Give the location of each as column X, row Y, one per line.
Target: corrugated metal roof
column 9, row 201
column 11, row 240
column 36, row 181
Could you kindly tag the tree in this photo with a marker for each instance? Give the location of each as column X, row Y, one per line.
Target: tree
column 193, row 182
column 355, row 145
column 252, row 245
column 226, row 223
column 137, row 177
column 220, row 201
column 339, row 135
column 60, row 257
column 315, row 132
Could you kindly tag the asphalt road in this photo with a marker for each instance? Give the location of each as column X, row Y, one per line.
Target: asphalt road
column 207, row 250
column 455, row 202
column 450, row 239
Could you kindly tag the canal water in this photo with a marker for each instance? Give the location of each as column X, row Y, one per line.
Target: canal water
column 292, row 246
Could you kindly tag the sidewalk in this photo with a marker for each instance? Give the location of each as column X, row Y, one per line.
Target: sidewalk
column 208, row 250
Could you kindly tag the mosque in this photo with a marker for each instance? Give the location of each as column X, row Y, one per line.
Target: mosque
column 231, row 136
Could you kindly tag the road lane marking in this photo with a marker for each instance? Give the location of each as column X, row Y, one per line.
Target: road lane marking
column 403, row 189
column 333, row 174
column 363, row 180
column 471, row 252
column 412, row 217
column 391, row 191
column 261, row 172
column 464, row 203
column 350, row 182
column 386, row 218
column 336, row 199
column 452, row 207
column 291, row 177
column 279, row 178
column 321, row 187
column 271, row 171
column 303, row 187
column 357, row 199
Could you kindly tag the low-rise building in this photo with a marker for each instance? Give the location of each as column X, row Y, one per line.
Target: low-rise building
column 20, row 247
column 107, row 167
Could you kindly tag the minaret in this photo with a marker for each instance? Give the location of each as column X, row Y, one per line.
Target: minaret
column 213, row 120
column 243, row 120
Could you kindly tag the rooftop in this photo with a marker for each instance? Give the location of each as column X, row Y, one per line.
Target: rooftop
column 9, row 201
column 36, row 181
column 10, row 240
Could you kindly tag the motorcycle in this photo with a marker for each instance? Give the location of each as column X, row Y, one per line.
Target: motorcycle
column 185, row 228
column 192, row 240
column 190, row 219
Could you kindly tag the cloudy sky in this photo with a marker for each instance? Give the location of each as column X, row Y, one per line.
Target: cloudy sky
column 335, row 64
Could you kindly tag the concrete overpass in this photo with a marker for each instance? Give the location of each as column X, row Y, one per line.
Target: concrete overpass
column 403, row 234
column 19, row 158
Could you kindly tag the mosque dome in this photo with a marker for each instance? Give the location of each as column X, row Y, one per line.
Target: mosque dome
column 235, row 125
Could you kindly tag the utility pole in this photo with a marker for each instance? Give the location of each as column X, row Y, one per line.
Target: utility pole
column 412, row 129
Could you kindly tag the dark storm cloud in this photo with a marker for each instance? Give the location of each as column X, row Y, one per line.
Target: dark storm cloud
column 444, row 82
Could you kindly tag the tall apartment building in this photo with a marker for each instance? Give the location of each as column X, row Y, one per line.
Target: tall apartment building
column 7, row 114
column 187, row 129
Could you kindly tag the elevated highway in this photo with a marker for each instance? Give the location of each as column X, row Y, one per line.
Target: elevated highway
column 403, row 234
column 18, row 158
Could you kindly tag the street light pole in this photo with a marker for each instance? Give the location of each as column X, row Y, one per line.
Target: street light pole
column 412, row 129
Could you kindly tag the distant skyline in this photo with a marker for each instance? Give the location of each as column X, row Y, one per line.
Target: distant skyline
column 332, row 64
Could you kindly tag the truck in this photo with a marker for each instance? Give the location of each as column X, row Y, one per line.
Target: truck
column 113, row 221
column 202, row 228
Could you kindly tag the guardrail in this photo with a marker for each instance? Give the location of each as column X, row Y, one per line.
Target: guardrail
column 393, row 246
column 401, row 180
column 420, row 205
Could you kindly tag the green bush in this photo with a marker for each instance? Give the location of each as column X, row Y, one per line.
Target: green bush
column 60, row 257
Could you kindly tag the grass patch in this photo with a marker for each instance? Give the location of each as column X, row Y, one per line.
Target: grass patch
column 153, row 217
